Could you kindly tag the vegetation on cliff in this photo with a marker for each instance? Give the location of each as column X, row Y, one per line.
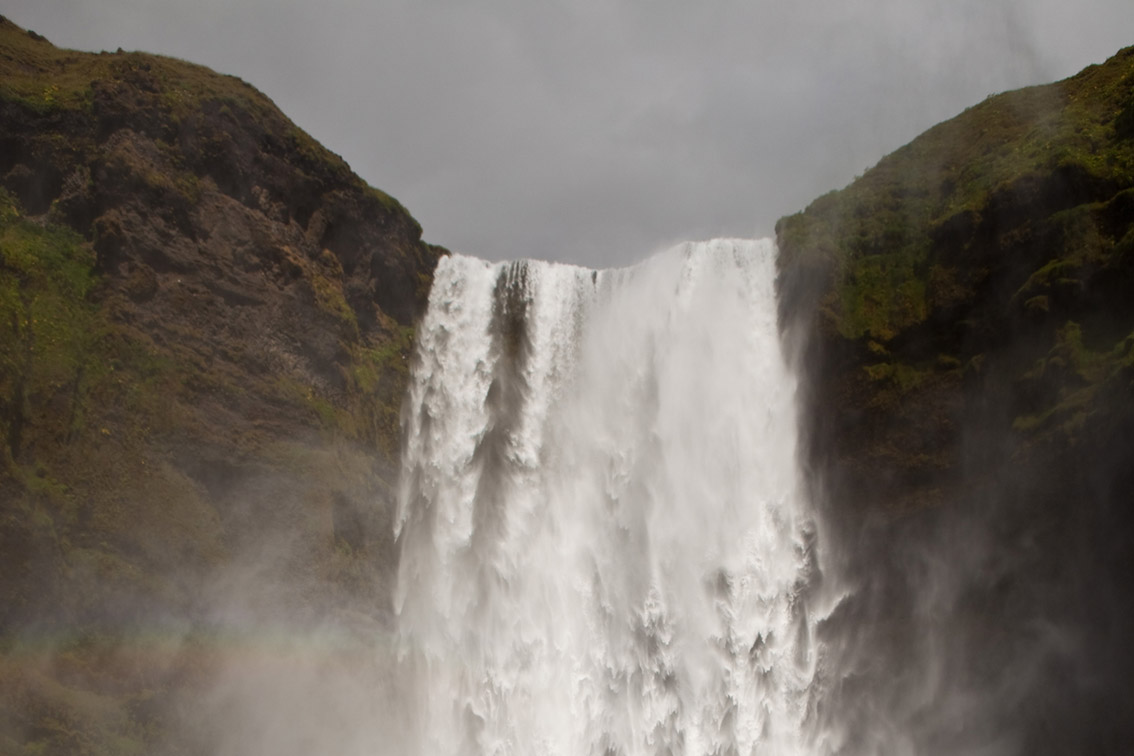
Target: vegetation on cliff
column 963, row 318
column 1003, row 235
column 205, row 318
column 204, row 324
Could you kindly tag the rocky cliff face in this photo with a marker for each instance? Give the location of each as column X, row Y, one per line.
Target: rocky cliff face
column 205, row 319
column 964, row 322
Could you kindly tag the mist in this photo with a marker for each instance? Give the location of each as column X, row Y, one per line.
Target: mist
column 603, row 505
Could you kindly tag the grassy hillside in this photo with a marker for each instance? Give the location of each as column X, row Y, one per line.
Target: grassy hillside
column 1007, row 232
column 963, row 318
column 205, row 318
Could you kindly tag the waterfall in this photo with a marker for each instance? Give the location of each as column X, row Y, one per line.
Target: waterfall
column 604, row 544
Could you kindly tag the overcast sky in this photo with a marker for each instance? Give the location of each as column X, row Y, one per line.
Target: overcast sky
column 598, row 132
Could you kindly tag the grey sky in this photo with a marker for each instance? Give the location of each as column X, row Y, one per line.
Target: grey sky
column 598, row 132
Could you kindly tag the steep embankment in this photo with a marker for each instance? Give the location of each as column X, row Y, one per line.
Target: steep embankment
column 965, row 320
column 204, row 322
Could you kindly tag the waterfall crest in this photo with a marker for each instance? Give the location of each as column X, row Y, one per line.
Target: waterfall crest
column 604, row 544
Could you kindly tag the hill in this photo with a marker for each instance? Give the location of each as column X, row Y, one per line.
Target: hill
column 205, row 318
column 963, row 316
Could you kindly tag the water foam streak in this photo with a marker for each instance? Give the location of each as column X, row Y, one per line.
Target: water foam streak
column 604, row 547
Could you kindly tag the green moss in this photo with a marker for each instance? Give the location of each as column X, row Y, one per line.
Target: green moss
column 1013, row 154
column 37, row 481
column 1069, row 414
column 120, row 404
column 880, row 296
column 42, row 77
column 372, row 366
column 904, row 378
column 1055, row 274
column 388, row 202
column 48, row 328
column 329, row 298
column 312, row 153
column 979, row 277
column 330, row 417
column 70, row 379
column 47, row 80
column 1124, row 122
column 1038, row 305
column 1070, row 351
column 376, row 378
column 368, row 411
column 1081, row 374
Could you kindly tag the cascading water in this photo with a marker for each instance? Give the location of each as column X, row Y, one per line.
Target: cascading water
column 604, row 547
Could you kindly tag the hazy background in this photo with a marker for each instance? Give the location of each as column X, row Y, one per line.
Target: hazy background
column 597, row 132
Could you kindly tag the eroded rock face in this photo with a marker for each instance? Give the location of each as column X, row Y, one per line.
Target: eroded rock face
column 963, row 316
column 206, row 318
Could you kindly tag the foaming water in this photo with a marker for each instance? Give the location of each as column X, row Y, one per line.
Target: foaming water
column 604, row 544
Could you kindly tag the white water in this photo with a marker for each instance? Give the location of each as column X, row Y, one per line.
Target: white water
column 605, row 549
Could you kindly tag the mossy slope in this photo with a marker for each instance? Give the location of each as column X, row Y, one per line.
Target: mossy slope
column 205, row 318
column 963, row 319
column 1002, row 239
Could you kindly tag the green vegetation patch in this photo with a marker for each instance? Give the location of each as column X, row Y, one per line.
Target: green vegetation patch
column 166, row 94
column 1081, row 374
column 42, row 77
column 1000, row 166
column 368, row 411
column 48, row 328
column 378, row 376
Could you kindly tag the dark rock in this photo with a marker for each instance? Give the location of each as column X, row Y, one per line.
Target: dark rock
column 971, row 439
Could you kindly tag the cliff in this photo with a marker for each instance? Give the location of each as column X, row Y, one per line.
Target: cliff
column 204, row 324
column 205, row 318
column 963, row 319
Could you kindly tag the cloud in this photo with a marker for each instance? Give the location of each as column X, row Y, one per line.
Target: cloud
column 598, row 132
